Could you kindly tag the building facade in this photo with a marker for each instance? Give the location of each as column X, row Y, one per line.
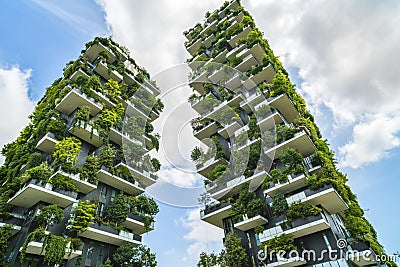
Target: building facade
column 73, row 181
column 271, row 176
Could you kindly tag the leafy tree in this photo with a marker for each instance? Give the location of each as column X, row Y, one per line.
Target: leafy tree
column 196, row 154
column 5, row 235
column 283, row 242
column 107, row 156
column 292, row 160
column 118, row 211
column 279, row 205
column 57, row 126
column 235, row 254
column 128, row 255
column 89, row 169
column 82, row 215
column 156, row 164
column 49, row 215
column 66, row 152
column 111, row 90
column 207, row 260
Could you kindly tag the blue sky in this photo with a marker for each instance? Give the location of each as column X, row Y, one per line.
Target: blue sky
column 344, row 60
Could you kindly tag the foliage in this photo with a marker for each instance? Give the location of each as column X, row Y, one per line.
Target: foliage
column 208, row 260
column 66, row 152
column 35, row 159
column 107, row 156
column 54, row 249
column 145, row 207
column 292, row 160
column 82, row 216
column 235, row 254
column 284, row 133
column 57, row 126
column 156, row 164
column 37, row 235
column 283, row 242
column 259, row 229
column 5, row 235
column 111, row 90
column 247, row 203
column 39, row 173
column 217, row 171
column 110, row 117
column 196, row 154
column 118, row 210
column 279, row 205
column 82, row 115
column 107, row 263
column 63, row 182
column 301, row 210
column 89, row 169
column 128, row 255
column 49, row 215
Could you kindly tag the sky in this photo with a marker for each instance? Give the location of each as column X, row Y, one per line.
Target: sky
column 342, row 55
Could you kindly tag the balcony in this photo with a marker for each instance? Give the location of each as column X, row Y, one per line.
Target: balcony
column 267, row 73
column 136, row 224
column 297, row 228
column 301, row 142
column 234, row 82
column 207, row 41
column 119, row 138
column 102, row 69
column 327, row 197
column 206, row 167
column 252, row 100
column 221, row 57
column 361, row 254
column 36, row 248
column 87, row 133
column 256, row 50
column 198, row 81
column 93, row 52
column 206, row 131
column 32, row 193
column 74, row 77
column 109, row 235
column 294, row 183
column 230, row 129
column 105, row 100
column 212, row 26
column 219, row 74
column 288, row 262
column 250, row 223
column 131, row 186
column 233, row 187
column 15, row 227
column 75, row 99
column 235, row 51
column 246, row 63
column 270, row 120
column 284, row 105
column 193, row 48
column 47, row 143
column 144, row 178
column 154, row 89
column 215, row 214
column 83, row 186
column 198, row 104
column 237, row 37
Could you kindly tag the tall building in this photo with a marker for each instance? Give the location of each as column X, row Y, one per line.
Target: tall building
column 271, row 176
column 73, row 181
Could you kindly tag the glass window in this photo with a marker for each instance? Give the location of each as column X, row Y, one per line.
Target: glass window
column 100, row 256
column 102, row 209
column 89, row 254
column 103, row 192
column 113, row 193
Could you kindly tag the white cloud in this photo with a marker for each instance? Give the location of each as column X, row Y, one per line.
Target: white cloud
column 205, row 237
column 347, row 56
column 15, row 105
column 371, row 141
